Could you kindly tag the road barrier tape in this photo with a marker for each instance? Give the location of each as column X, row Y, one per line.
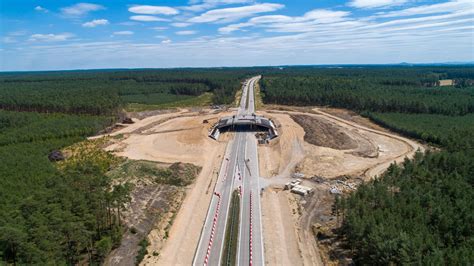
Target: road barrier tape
column 211, row 239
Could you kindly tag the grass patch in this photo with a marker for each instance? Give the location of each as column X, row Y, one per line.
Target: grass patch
column 155, row 98
column 142, row 252
column 232, row 231
column 204, row 99
column 89, row 152
column 177, row 174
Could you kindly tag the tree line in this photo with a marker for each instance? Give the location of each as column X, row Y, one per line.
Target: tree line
column 403, row 90
column 99, row 92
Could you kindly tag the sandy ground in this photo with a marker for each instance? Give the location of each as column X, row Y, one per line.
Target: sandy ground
column 287, row 229
column 392, row 147
column 182, row 137
column 186, row 229
column 168, row 138
column 174, row 137
column 374, row 152
column 275, row 210
column 283, row 153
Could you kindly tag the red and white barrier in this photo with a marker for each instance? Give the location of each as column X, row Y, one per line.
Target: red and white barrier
column 214, row 223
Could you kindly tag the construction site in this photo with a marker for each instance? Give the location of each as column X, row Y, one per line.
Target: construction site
column 306, row 157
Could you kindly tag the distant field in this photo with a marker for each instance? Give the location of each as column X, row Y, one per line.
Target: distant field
column 168, row 101
column 154, row 98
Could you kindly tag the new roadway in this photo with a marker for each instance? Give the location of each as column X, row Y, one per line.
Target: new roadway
column 239, row 171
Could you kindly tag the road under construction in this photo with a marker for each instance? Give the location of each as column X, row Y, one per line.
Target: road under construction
column 239, row 171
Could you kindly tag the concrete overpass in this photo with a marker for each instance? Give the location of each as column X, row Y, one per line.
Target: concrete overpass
column 242, row 123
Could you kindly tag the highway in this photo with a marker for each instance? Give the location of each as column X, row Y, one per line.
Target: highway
column 250, row 249
column 239, row 170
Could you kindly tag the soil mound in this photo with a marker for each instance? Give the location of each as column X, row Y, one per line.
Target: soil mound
column 321, row 133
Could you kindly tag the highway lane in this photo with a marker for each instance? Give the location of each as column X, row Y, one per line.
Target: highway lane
column 251, row 106
column 250, row 250
column 212, row 236
column 236, row 172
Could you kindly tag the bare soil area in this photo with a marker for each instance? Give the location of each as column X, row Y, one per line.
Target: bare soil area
column 332, row 150
column 174, row 137
column 169, row 137
column 279, row 227
column 321, row 133
column 154, row 199
column 323, row 145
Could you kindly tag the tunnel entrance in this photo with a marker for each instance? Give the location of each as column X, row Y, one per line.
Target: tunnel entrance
column 244, row 123
column 244, row 128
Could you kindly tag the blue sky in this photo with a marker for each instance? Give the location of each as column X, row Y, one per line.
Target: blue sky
column 53, row 35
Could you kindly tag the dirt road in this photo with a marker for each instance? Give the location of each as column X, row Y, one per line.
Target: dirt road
column 343, row 148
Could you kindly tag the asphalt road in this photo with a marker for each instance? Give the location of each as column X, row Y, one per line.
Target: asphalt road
column 239, row 170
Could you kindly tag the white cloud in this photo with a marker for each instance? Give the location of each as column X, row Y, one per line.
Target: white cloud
column 427, row 33
column 147, row 18
column 197, row 6
column 130, row 23
column 153, row 10
column 51, row 37
column 452, row 6
column 41, row 9
column 300, row 23
column 95, row 23
column 222, row 2
column 80, row 9
column 180, row 24
column 234, row 13
column 376, row 3
column 18, row 33
column 186, row 32
column 125, row 32
column 159, row 28
column 9, row 39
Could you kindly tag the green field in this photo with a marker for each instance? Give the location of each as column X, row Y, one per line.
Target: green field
column 154, row 98
column 171, row 101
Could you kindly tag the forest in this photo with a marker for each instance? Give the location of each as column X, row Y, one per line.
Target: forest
column 420, row 212
column 54, row 215
column 378, row 90
column 106, row 92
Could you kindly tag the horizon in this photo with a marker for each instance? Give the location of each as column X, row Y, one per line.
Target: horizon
column 402, row 64
column 75, row 35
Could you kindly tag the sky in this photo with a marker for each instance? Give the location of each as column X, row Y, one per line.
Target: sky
column 60, row 35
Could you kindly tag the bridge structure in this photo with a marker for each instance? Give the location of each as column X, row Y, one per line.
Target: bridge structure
column 242, row 123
